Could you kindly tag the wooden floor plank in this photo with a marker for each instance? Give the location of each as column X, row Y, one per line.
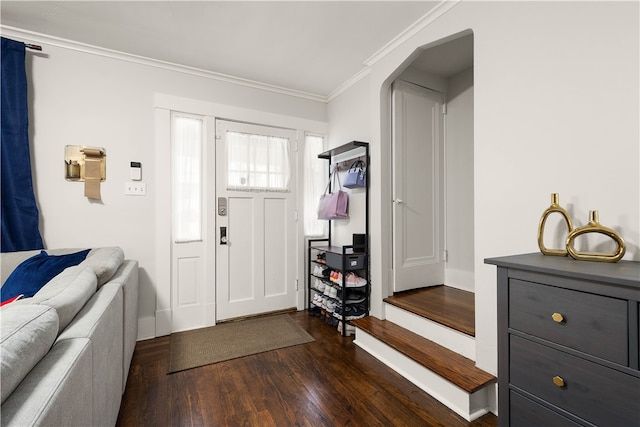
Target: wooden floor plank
column 450, row 365
column 328, row 382
column 446, row 305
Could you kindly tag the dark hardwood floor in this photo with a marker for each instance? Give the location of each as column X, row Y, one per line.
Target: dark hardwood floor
column 329, row 382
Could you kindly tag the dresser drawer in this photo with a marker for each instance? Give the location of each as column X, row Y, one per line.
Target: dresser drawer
column 592, row 392
column 594, row 324
column 527, row 413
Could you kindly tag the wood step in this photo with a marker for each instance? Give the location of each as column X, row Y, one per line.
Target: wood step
column 449, row 365
column 446, row 305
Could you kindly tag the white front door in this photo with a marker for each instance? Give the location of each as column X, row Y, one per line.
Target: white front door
column 255, row 218
column 418, row 187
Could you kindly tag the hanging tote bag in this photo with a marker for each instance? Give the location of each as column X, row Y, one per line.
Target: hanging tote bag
column 333, row 205
column 356, row 175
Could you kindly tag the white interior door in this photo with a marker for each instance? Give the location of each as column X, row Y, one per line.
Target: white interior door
column 418, row 187
column 256, row 260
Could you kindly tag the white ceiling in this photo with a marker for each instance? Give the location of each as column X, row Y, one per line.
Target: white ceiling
column 308, row 46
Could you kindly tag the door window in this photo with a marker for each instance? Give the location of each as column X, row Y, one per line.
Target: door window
column 187, row 135
column 257, row 162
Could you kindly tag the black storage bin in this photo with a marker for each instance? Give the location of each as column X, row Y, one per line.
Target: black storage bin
column 351, row 261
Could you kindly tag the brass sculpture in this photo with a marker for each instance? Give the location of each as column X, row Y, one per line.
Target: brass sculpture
column 594, row 227
column 555, row 207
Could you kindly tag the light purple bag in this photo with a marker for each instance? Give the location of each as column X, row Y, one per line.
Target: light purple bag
column 333, row 205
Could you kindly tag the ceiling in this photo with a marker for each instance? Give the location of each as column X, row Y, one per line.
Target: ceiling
column 312, row 47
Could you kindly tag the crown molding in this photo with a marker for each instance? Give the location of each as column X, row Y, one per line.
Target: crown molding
column 443, row 7
column 34, row 37
column 350, row 82
column 435, row 13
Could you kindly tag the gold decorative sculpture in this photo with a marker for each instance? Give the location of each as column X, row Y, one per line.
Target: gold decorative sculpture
column 594, row 227
column 555, row 207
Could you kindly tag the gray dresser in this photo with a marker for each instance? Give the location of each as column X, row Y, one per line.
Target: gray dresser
column 568, row 334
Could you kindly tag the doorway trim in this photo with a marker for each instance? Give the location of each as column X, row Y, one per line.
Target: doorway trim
column 163, row 105
column 382, row 75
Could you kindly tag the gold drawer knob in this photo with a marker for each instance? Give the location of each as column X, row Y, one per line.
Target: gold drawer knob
column 557, row 317
column 558, row 381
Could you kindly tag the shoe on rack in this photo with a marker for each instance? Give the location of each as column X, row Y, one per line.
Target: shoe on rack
column 355, row 281
column 319, row 285
column 333, row 293
column 354, row 297
column 326, row 272
column 339, row 278
column 349, row 329
column 331, row 306
column 350, row 312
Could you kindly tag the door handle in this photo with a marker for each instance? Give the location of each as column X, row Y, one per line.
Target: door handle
column 223, row 235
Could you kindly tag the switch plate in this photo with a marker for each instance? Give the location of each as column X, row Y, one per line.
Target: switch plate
column 135, row 188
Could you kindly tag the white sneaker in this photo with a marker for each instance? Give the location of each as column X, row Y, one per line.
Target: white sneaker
column 333, row 293
column 349, row 330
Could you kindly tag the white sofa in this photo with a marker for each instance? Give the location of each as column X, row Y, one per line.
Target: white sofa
column 66, row 351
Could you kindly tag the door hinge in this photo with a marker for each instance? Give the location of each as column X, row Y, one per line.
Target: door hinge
column 444, row 109
column 297, row 285
column 445, row 255
column 295, row 216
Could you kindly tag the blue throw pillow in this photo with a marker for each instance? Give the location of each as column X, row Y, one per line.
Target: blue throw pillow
column 33, row 273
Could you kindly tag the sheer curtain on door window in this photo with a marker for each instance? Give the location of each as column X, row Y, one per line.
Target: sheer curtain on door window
column 186, row 177
column 315, row 180
column 257, row 162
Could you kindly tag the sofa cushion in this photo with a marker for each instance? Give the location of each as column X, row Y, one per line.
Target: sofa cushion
column 105, row 262
column 33, row 273
column 68, row 292
column 10, row 260
column 26, row 334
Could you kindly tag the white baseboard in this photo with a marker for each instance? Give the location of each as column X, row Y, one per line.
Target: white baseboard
column 146, row 328
column 163, row 322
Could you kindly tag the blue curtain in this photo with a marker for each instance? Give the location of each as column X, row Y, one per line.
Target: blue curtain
column 18, row 210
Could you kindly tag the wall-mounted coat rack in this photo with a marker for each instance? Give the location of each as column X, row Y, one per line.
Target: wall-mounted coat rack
column 345, row 165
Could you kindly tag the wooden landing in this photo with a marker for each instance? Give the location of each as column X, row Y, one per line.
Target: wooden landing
column 448, row 364
column 443, row 304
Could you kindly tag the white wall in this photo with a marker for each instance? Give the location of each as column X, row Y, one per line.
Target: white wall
column 543, row 122
column 80, row 98
column 350, row 116
column 459, row 270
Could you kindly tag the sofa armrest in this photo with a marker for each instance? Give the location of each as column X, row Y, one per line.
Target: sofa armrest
column 57, row 391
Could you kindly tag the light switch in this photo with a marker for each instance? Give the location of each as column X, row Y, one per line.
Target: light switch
column 135, row 188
